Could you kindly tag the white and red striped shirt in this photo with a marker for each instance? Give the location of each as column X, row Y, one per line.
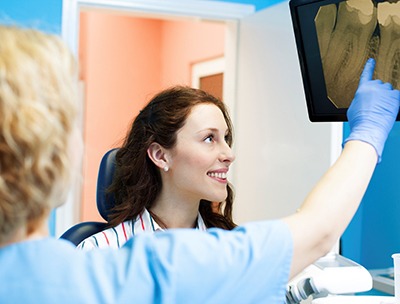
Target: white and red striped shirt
column 117, row 236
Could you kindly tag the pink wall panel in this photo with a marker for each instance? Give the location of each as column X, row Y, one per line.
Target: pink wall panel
column 121, row 66
column 188, row 42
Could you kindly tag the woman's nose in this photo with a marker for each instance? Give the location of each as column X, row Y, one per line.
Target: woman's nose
column 227, row 154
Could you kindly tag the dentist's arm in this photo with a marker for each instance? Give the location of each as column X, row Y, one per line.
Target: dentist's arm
column 330, row 206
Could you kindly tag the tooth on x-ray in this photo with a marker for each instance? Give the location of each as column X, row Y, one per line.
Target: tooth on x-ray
column 388, row 59
column 347, row 37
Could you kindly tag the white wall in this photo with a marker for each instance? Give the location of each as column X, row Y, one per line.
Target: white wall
column 280, row 154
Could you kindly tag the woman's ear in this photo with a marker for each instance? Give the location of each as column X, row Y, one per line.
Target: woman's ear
column 157, row 154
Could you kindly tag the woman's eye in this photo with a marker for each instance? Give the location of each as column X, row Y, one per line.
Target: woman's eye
column 209, row 138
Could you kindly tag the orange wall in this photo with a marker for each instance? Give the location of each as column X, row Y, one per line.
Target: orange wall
column 125, row 60
column 188, row 42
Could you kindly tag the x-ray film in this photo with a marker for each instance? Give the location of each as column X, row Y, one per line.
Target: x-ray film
column 334, row 40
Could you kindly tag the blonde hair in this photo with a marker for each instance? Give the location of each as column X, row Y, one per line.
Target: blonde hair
column 38, row 96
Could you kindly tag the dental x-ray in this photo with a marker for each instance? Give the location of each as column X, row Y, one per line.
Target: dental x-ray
column 334, row 40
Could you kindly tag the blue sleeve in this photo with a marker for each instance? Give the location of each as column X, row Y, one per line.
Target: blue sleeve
column 250, row 264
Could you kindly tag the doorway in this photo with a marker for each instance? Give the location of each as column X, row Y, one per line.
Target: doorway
column 208, row 75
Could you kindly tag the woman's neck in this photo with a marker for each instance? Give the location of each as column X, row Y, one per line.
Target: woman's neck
column 172, row 214
column 31, row 231
column 37, row 230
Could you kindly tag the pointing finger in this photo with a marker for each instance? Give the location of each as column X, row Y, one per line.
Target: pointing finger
column 368, row 71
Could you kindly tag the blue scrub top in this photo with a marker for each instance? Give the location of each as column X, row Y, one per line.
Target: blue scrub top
column 249, row 264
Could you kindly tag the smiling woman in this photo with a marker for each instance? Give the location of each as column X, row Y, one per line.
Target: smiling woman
column 172, row 169
column 199, row 161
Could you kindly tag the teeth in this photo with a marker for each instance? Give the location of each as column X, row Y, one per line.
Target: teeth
column 217, row 175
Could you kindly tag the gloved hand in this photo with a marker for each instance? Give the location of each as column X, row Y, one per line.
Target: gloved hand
column 373, row 110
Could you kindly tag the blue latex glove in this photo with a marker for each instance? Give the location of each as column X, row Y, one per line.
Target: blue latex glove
column 373, row 110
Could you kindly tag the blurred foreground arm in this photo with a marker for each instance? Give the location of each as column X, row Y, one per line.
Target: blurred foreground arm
column 330, row 206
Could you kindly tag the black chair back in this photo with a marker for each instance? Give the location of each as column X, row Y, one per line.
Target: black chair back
column 105, row 202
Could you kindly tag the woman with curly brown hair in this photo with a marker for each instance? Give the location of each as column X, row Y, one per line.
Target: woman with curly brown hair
column 172, row 169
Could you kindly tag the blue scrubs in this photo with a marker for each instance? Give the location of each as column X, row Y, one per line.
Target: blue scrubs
column 250, row 264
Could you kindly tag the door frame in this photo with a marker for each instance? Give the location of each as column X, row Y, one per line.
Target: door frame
column 206, row 68
column 230, row 13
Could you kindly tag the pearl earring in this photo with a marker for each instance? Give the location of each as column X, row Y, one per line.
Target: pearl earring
column 166, row 168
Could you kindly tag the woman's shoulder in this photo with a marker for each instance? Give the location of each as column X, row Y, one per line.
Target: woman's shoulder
column 114, row 237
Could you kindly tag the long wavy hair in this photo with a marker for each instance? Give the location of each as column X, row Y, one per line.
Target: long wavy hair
column 137, row 181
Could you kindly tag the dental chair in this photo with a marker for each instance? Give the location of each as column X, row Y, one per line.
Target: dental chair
column 105, row 202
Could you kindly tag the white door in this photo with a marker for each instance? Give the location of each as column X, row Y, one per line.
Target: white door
column 279, row 153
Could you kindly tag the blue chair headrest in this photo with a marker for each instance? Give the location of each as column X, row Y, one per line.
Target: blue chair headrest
column 105, row 201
